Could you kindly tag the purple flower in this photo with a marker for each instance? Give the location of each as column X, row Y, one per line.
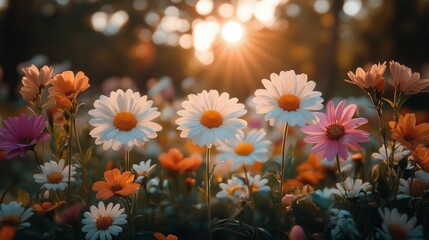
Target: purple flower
column 21, row 133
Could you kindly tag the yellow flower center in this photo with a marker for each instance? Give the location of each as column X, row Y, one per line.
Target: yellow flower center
column 255, row 188
column 244, row 149
column 116, row 187
column 103, row 222
column 11, row 221
column 335, row 131
column 125, row 121
column 55, row 178
column 211, row 119
column 231, row 190
column 289, row 102
column 397, row 232
column 143, row 174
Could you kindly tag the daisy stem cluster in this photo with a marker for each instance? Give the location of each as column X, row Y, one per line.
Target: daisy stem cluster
column 208, row 178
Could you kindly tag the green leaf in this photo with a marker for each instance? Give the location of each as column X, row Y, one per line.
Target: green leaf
column 88, row 155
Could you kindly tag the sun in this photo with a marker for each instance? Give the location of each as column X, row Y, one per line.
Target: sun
column 232, row 32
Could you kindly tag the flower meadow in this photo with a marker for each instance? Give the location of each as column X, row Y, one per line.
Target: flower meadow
column 285, row 164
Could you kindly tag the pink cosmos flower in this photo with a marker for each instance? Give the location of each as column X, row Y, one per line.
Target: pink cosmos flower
column 335, row 131
column 21, row 134
column 70, row 215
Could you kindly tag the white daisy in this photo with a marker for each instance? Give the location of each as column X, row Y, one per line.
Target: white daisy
column 209, row 118
column 13, row 214
column 324, row 197
column 234, row 189
column 420, row 186
column 342, row 225
column 246, row 150
column 399, row 153
column 256, row 183
column 288, row 98
column 397, row 226
column 404, row 189
column 123, row 119
column 353, row 188
column 103, row 222
column 54, row 175
column 143, row 170
column 155, row 183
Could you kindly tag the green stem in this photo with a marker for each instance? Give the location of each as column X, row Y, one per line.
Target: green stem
column 209, row 214
column 69, row 159
column 58, row 200
column 397, row 184
column 37, row 160
column 134, row 206
column 282, row 172
column 412, row 176
column 76, row 136
column 130, row 222
column 127, row 160
column 251, row 197
column 341, row 175
column 82, row 160
column 4, row 194
column 146, row 193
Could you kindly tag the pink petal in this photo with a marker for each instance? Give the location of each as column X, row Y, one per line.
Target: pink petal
column 348, row 112
column 339, row 110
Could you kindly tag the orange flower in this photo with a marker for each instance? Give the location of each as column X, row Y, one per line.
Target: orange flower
column 63, row 102
column 311, row 171
column 34, row 81
column 291, row 184
column 421, row 154
column 160, row 236
column 46, row 207
column 68, row 85
column 407, row 133
column 115, row 184
column 174, row 161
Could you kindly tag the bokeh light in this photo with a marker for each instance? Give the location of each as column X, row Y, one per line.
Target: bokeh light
column 109, row 24
column 352, row 7
column 226, row 10
column 204, row 7
column 321, row 6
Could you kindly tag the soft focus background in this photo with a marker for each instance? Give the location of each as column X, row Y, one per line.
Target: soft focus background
column 202, row 44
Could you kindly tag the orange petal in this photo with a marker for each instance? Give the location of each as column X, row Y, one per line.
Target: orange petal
column 159, row 236
column 7, row 232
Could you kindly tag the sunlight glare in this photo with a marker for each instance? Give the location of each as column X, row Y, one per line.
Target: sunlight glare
column 232, row 32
